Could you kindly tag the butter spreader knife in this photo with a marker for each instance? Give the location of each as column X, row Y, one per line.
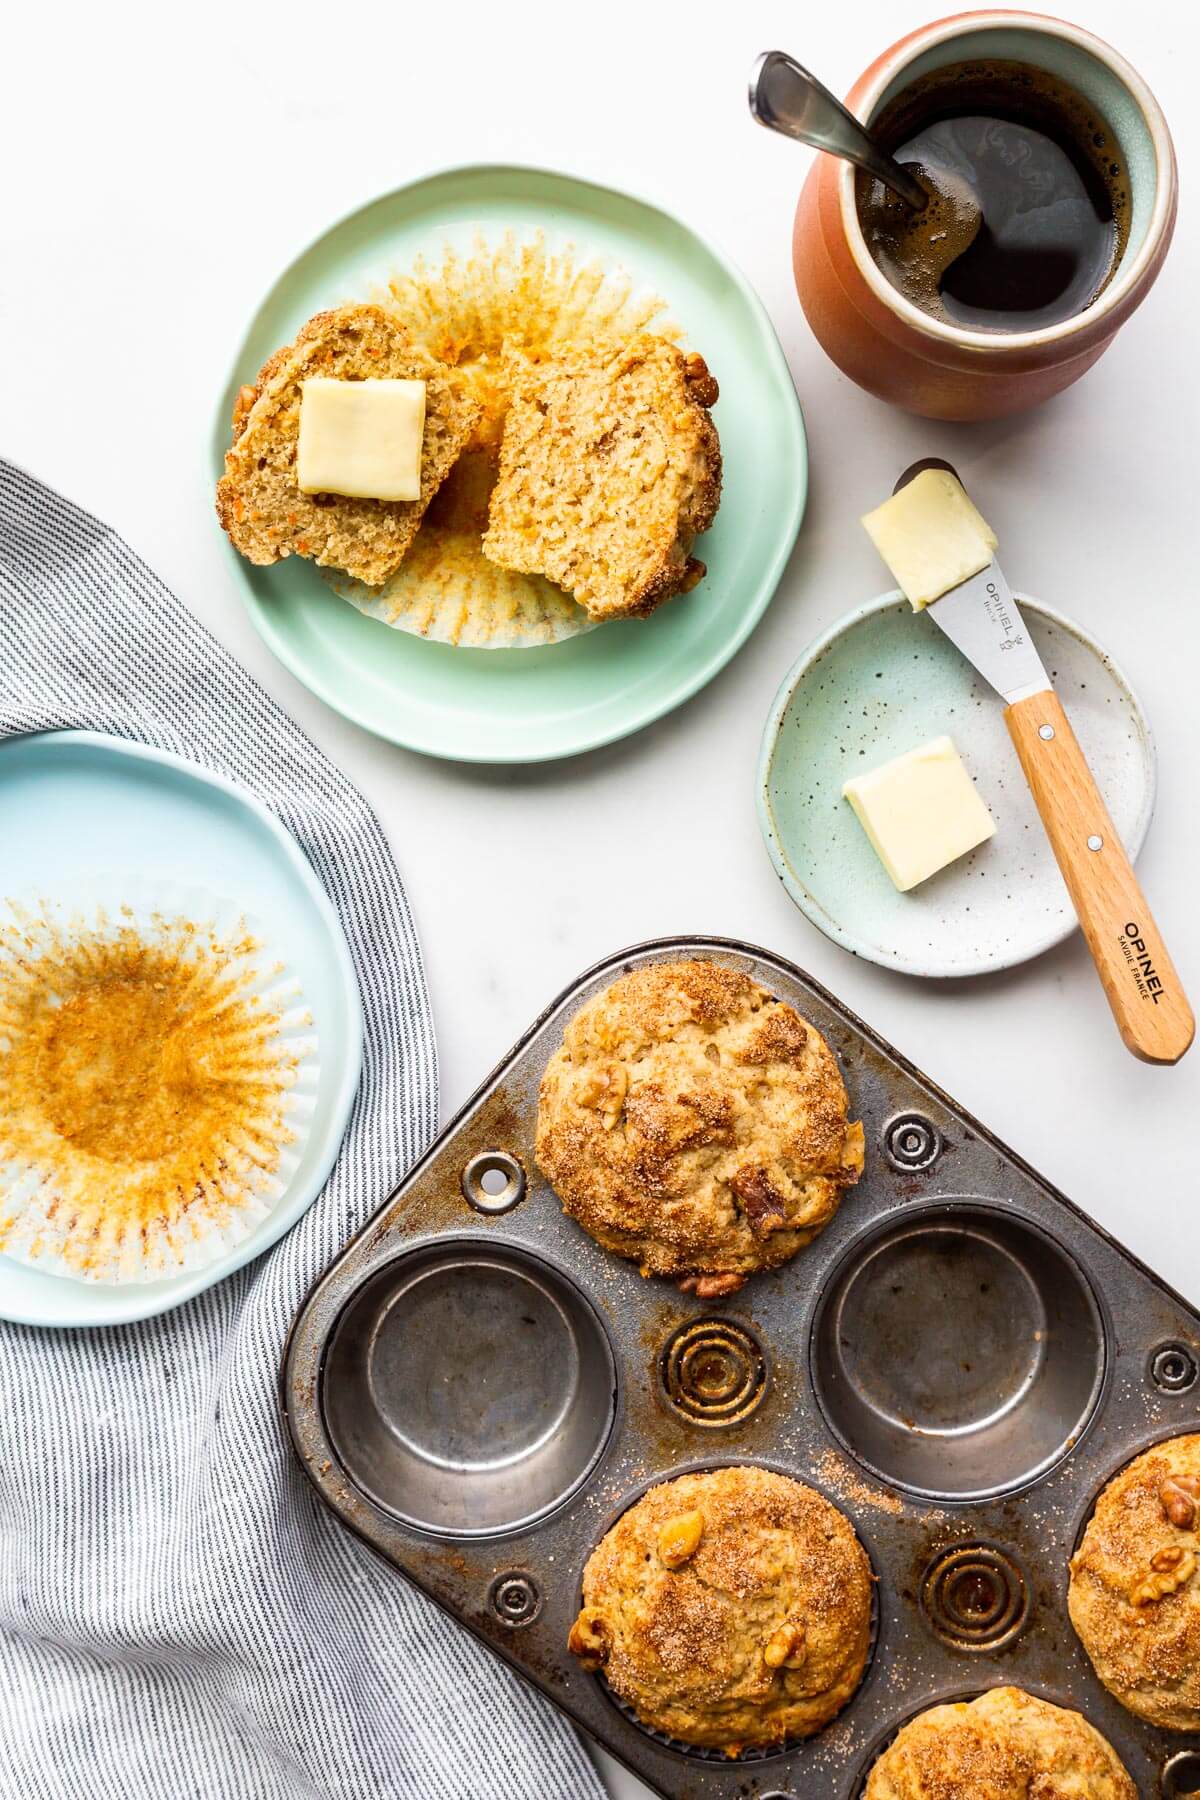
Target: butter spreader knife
column 980, row 616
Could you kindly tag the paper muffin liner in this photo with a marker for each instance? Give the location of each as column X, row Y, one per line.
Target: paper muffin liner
column 489, row 313
column 446, row 589
column 102, row 1179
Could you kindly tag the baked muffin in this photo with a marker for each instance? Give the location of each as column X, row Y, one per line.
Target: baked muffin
column 259, row 500
column 1135, row 1591
column 610, row 467
column 1004, row 1746
column 730, row 1609
column 696, row 1124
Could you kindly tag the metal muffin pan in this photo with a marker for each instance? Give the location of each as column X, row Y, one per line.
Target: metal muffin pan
column 961, row 1361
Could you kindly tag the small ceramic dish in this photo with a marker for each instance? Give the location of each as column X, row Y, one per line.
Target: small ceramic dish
column 74, row 801
column 529, row 705
column 882, row 681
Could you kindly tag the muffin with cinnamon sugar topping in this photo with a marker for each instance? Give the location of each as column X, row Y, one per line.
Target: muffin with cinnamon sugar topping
column 1006, row 1745
column 696, row 1123
column 1135, row 1586
column 731, row 1609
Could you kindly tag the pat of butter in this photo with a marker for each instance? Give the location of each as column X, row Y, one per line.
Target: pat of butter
column 920, row 811
column 931, row 536
column 361, row 438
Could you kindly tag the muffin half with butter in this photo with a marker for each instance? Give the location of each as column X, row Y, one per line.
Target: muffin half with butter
column 1134, row 1597
column 695, row 1123
column 340, row 445
column 730, row 1609
column 1004, row 1746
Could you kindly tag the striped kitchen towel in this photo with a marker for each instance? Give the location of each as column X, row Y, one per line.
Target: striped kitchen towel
column 178, row 1615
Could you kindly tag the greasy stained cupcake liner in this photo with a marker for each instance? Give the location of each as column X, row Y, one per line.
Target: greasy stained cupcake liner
column 159, row 1071
column 520, row 295
column 489, row 313
column 446, row 590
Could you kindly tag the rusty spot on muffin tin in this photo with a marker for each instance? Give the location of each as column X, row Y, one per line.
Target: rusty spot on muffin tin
column 906, row 1227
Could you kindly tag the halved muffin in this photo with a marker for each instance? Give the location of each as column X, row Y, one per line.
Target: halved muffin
column 610, row 467
column 259, row 501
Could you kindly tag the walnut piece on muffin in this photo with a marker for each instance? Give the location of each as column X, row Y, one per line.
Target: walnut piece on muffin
column 1134, row 1597
column 696, row 1124
column 1006, row 1745
column 731, row 1609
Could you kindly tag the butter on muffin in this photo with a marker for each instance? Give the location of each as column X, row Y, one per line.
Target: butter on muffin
column 729, row 1609
column 696, row 1124
column 1135, row 1586
column 1006, row 1745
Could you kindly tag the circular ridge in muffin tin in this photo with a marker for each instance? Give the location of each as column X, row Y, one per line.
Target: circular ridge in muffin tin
column 714, row 1371
column 975, row 1597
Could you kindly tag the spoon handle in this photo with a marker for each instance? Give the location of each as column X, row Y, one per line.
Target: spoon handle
column 786, row 98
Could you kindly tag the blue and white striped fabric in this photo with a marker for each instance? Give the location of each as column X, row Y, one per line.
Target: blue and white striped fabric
column 178, row 1616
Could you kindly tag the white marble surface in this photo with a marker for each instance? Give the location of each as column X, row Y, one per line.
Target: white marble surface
column 163, row 163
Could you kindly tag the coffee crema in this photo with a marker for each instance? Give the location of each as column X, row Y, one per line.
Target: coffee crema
column 1029, row 198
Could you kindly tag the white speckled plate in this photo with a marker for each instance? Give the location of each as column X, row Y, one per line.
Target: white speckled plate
column 882, row 681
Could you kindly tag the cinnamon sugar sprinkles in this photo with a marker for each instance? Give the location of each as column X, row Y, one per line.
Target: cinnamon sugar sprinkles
column 155, row 1085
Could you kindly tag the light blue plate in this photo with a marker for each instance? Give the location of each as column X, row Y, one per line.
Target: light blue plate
column 884, row 680
column 514, row 706
column 77, row 800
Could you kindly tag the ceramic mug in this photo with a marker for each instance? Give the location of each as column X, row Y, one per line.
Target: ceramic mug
column 904, row 355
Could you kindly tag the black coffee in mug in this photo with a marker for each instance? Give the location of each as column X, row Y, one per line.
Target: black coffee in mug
column 1029, row 198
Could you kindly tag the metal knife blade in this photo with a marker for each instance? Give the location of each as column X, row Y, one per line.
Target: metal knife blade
column 981, row 617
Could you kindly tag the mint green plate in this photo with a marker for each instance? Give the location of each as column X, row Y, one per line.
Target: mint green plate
column 501, row 706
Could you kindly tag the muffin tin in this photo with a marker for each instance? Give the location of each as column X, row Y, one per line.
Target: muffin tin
column 960, row 1362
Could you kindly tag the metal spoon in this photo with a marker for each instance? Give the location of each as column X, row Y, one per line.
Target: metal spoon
column 787, row 98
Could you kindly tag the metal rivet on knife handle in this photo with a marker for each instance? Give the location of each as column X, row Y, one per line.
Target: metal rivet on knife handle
column 1140, row 980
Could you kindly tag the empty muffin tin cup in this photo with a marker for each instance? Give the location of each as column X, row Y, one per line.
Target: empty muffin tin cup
column 958, row 1351
column 469, row 1388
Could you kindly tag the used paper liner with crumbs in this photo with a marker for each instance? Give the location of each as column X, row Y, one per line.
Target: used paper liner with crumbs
column 158, row 1067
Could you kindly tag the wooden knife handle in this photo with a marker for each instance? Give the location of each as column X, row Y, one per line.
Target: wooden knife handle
column 1144, row 991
